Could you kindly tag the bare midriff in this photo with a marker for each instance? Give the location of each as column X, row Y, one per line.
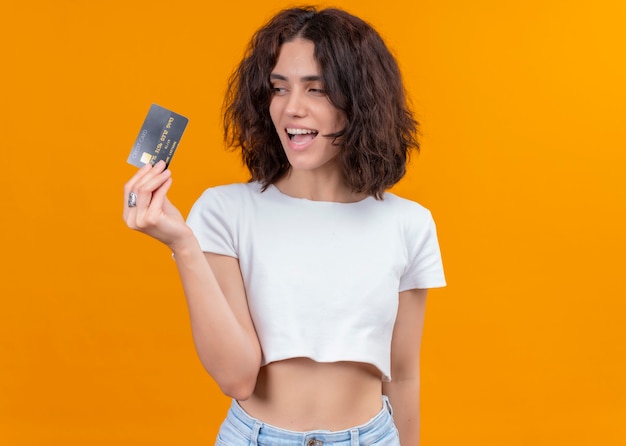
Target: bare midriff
column 301, row 395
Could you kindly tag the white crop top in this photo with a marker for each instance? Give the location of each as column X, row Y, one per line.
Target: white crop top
column 321, row 278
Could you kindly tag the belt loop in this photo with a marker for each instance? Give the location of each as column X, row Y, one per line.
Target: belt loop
column 254, row 435
column 354, row 437
column 388, row 405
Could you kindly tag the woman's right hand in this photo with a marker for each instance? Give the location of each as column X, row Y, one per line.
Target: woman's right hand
column 153, row 213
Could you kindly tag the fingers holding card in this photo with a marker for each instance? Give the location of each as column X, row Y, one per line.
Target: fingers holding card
column 146, row 207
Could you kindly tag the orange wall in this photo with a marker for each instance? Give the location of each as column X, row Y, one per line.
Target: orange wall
column 522, row 107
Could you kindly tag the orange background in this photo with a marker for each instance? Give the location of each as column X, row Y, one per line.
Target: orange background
column 522, row 106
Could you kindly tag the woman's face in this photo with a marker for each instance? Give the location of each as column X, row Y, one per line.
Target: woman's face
column 300, row 110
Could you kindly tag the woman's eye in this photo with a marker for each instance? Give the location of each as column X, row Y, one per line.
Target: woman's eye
column 320, row 91
column 278, row 90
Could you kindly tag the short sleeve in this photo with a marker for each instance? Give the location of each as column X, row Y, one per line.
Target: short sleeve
column 212, row 223
column 424, row 267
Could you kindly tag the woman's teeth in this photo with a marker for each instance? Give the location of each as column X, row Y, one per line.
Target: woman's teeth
column 293, row 132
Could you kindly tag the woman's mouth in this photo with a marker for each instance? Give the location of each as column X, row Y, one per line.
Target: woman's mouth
column 301, row 136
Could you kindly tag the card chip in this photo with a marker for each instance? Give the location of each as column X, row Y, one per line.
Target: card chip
column 146, row 157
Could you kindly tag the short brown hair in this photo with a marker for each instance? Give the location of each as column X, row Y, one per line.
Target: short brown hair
column 361, row 78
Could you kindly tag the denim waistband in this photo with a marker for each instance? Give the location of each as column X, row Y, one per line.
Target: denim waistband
column 260, row 433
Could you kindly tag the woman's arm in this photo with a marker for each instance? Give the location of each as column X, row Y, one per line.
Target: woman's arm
column 404, row 389
column 222, row 329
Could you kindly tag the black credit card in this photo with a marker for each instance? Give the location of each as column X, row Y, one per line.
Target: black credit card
column 159, row 137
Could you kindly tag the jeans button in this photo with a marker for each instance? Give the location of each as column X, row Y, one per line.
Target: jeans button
column 314, row 442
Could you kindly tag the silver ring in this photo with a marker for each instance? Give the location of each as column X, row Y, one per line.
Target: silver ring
column 132, row 200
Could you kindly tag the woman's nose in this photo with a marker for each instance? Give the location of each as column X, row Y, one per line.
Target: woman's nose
column 296, row 104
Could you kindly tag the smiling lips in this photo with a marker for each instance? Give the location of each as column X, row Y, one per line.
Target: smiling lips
column 301, row 136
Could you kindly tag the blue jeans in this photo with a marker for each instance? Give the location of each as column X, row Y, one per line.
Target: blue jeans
column 240, row 429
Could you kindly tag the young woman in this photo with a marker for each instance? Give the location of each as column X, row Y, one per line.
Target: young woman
column 306, row 286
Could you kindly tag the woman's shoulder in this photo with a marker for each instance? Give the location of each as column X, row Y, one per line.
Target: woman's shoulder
column 233, row 192
column 405, row 206
column 227, row 200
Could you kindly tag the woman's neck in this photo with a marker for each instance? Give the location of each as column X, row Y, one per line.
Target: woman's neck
column 316, row 187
